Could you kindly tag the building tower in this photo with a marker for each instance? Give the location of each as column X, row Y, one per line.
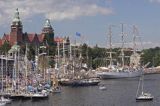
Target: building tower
column 48, row 33
column 47, row 27
column 16, row 29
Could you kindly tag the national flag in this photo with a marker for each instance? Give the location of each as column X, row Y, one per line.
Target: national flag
column 78, row 34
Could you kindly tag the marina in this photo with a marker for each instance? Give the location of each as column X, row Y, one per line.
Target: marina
column 25, row 80
column 86, row 53
column 120, row 92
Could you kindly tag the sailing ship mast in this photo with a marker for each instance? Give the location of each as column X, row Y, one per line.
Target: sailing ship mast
column 26, row 65
column 135, row 57
column 18, row 70
column 143, row 95
column 70, row 51
column 134, row 39
column 2, row 72
column 110, row 45
column 139, row 85
column 58, row 55
column 6, row 68
column 73, row 60
column 122, row 48
column 64, row 55
column 57, row 61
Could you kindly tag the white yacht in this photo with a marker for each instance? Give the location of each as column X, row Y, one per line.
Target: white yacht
column 143, row 96
column 124, row 73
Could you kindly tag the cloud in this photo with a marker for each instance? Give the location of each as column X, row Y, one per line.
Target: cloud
column 53, row 9
column 156, row 1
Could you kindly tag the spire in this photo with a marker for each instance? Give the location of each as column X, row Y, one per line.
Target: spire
column 16, row 18
column 47, row 24
column 47, row 28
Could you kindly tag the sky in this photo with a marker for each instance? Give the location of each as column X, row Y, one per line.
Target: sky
column 91, row 18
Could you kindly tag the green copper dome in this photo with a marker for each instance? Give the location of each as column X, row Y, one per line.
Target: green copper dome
column 16, row 18
column 14, row 48
column 47, row 24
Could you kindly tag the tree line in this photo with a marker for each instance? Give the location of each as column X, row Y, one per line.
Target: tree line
column 95, row 56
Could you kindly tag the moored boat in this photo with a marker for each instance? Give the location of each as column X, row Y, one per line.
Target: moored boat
column 40, row 95
column 81, row 82
column 56, row 89
column 121, row 68
column 119, row 74
column 6, row 100
column 2, row 103
column 16, row 97
column 27, row 96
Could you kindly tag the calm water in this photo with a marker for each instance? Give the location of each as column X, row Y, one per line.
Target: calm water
column 120, row 92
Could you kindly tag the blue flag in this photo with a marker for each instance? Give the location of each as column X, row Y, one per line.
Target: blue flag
column 78, row 34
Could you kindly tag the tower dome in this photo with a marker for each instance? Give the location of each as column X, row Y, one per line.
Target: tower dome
column 47, row 24
column 47, row 28
column 16, row 19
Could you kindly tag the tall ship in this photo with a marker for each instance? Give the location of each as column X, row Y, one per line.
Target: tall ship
column 72, row 72
column 121, row 71
column 124, row 73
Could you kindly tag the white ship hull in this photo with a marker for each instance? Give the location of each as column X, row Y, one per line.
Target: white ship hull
column 128, row 74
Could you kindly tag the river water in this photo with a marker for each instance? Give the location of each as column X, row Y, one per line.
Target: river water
column 119, row 92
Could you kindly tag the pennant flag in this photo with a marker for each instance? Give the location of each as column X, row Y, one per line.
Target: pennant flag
column 78, row 34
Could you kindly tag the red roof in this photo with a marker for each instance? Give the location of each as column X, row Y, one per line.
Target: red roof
column 40, row 37
column 31, row 37
column 5, row 37
column 0, row 42
column 58, row 39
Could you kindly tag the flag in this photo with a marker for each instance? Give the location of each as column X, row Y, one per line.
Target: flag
column 78, row 34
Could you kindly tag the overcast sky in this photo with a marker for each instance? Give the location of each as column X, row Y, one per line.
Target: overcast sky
column 91, row 18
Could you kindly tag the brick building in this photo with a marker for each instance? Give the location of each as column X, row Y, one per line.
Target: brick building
column 17, row 36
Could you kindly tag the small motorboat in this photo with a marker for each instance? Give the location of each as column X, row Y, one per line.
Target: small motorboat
column 2, row 103
column 6, row 100
column 102, row 87
column 56, row 89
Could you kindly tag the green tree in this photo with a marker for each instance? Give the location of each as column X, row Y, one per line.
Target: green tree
column 31, row 52
column 5, row 47
column 151, row 55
